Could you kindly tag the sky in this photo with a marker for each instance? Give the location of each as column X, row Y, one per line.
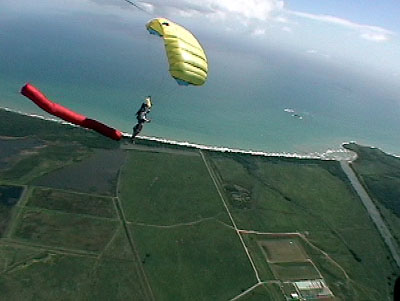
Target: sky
column 316, row 56
column 358, row 33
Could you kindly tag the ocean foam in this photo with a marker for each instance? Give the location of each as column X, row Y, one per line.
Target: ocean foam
column 331, row 154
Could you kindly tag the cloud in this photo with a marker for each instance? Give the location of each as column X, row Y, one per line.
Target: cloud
column 243, row 10
column 376, row 37
column 249, row 15
column 316, row 52
column 258, row 32
column 281, row 19
column 367, row 32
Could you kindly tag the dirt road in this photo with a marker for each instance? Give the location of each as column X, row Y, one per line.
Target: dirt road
column 373, row 212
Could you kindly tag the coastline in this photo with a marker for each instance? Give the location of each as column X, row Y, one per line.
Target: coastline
column 340, row 154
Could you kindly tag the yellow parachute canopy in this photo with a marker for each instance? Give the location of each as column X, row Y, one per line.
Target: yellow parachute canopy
column 187, row 59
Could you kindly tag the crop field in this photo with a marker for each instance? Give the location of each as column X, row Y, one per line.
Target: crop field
column 66, row 276
column 71, row 202
column 266, row 291
column 305, row 196
column 98, row 222
column 283, row 250
column 29, row 166
column 292, row 271
column 379, row 173
column 166, row 189
column 9, row 196
column 10, row 149
column 96, row 173
column 194, row 262
column 64, row 230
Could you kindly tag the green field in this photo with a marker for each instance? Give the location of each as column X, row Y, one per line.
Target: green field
column 310, row 197
column 379, row 173
column 9, row 196
column 283, row 250
column 64, row 230
column 196, row 262
column 148, row 222
column 167, row 188
column 70, row 202
column 32, row 274
column 292, row 271
column 96, row 173
column 269, row 291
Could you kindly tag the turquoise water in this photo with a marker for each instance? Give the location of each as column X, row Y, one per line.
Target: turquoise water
column 103, row 67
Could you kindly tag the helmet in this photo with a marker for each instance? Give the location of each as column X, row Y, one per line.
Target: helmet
column 148, row 101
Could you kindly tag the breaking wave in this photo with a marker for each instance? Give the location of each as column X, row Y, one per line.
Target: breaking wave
column 330, row 154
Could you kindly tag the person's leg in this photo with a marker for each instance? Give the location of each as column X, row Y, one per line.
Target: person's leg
column 136, row 130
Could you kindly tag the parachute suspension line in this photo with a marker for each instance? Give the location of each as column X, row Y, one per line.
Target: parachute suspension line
column 171, row 91
column 139, row 8
column 156, row 89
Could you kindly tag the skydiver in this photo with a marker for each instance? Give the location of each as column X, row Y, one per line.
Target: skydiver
column 141, row 116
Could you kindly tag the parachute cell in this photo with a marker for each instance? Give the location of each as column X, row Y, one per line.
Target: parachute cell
column 187, row 59
column 66, row 114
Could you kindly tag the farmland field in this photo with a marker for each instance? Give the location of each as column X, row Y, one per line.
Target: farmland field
column 283, row 250
column 99, row 220
column 70, row 202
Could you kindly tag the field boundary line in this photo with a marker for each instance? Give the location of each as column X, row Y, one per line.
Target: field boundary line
column 121, row 214
column 304, row 238
column 86, row 215
column 230, row 216
column 104, row 196
column 211, row 218
column 60, row 250
column 19, row 208
column 246, row 291
column 372, row 211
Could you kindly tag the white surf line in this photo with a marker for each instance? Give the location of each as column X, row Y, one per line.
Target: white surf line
column 327, row 155
column 231, row 218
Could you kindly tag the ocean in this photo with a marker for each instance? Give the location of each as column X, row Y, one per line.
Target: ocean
column 270, row 100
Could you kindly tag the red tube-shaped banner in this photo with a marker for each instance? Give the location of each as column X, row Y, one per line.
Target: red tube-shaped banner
column 66, row 114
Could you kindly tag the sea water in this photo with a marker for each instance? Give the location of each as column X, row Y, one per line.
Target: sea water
column 276, row 101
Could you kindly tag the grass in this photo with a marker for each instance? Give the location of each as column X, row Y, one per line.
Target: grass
column 71, row 245
column 47, row 276
column 17, row 125
column 116, row 280
column 9, row 196
column 294, row 271
column 283, row 249
column 264, row 292
column 166, row 189
column 308, row 197
column 379, row 173
column 44, row 160
column 207, row 260
column 96, row 173
column 11, row 149
column 37, row 274
column 63, row 230
column 119, row 247
column 70, row 202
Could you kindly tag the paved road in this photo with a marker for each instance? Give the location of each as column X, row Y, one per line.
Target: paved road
column 373, row 212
